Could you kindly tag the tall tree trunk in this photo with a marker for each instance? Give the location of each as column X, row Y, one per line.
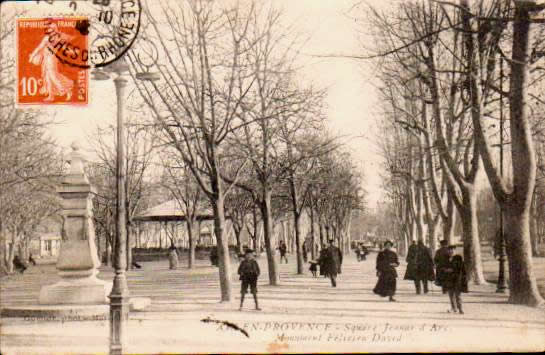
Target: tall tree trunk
column 224, row 261
column 405, row 242
column 299, row 252
column 312, row 241
column 238, row 232
column 255, row 227
column 109, row 249
column 3, row 251
column 419, row 215
column 515, row 203
column 266, row 216
column 190, row 225
column 450, row 222
column 11, row 252
column 160, row 235
column 522, row 281
column 320, row 227
column 100, row 246
column 472, row 246
column 522, row 285
column 348, row 234
column 130, row 238
column 433, row 227
column 297, row 225
column 533, row 227
column 108, row 243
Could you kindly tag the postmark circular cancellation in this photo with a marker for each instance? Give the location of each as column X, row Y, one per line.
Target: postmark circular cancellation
column 54, row 52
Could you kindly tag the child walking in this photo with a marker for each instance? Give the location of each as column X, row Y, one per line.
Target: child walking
column 455, row 280
column 249, row 272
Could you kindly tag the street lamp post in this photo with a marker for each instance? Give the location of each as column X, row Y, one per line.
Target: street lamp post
column 119, row 296
column 501, row 287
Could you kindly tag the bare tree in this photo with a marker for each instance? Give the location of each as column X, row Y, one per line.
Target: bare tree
column 30, row 163
column 239, row 205
column 515, row 202
column 138, row 162
column 197, row 102
column 417, row 46
column 181, row 184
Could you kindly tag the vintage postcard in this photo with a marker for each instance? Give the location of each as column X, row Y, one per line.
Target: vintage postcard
column 272, row 176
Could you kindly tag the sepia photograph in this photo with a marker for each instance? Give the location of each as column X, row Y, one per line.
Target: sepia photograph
column 272, row 176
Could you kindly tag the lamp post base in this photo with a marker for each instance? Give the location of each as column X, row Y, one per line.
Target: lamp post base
column 119, row 313
column 501, row 276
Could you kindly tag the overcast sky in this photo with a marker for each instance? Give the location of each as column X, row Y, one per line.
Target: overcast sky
column 351, row 97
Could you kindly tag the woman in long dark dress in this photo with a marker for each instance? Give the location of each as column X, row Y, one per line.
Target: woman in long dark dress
column 322, row 261
column 386, row 263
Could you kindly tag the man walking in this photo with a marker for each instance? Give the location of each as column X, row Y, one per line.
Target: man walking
column 322, row 260
column 283, row 250
column 419, row 266
column 332, row 262
column 441, row 261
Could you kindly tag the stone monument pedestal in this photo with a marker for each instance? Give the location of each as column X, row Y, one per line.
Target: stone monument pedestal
column 78, row 259
column 76, row 290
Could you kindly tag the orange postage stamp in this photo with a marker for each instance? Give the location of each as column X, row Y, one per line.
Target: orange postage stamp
column 52, row 61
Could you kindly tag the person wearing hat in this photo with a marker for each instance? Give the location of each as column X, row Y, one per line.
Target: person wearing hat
column 387, row 261
column 249, row 272
column 419, row 266
column 322, row 260
column 333, row 259
column 441, row 261
column 455, row 280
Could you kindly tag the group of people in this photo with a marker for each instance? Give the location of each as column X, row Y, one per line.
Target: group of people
column 445, row 269
column 361, row 252
column 20, row 266
column 330, row 261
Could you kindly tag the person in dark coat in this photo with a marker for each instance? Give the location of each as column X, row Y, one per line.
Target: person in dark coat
column 18, row 264
column 214, row 256
column 363, row 252
column 313, row 267
column 333, row 261
column 357, row 250
column 31, row 259
column 283, row 250
column 249, row 272
column 455, row 280
column 387, row 261
column 441, row 260
column 322, row 261
column 419, row 266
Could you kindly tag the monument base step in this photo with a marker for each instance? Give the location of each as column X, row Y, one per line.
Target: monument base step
column 69, row 312
column 78, row 292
